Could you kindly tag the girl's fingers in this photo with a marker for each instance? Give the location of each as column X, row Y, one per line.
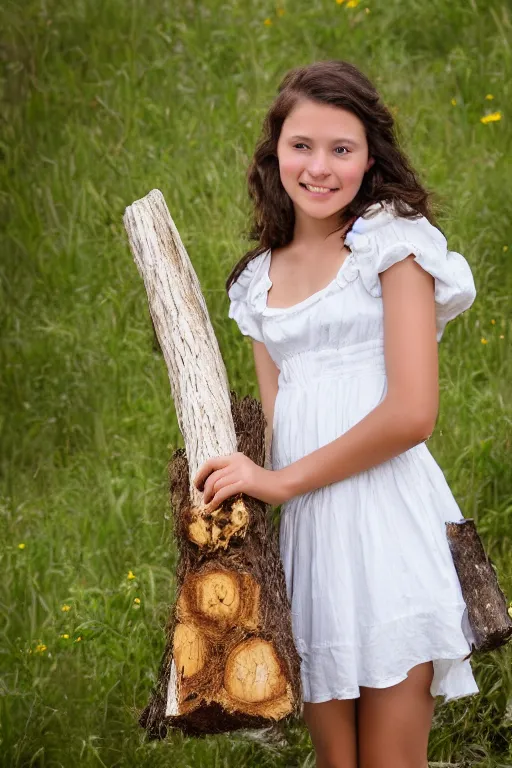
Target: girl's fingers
column 212, row 483
column 207, row 468
column 203, row 472
column 224, row 493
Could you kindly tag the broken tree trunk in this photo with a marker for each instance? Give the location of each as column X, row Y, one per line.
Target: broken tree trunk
column 486, row 603
column 230, row 660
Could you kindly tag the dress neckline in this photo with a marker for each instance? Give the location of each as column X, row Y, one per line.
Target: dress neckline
column 346, row 273
column 309, row 299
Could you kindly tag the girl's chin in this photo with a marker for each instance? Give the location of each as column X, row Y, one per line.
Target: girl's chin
column 323, row 209
column 321, row 213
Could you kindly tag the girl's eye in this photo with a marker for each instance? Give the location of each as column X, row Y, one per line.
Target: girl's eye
column 301, row 144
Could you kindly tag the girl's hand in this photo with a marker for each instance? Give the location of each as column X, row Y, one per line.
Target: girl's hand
column 225, row 476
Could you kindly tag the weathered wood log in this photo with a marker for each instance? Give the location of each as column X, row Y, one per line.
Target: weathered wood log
column 230, row 660
column 486, row 603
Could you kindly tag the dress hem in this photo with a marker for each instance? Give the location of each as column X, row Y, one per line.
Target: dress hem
column 391, row 681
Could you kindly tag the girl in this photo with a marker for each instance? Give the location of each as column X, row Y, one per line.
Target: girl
column 345, row 297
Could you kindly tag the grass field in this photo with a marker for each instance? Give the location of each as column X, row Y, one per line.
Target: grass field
column 101, row 102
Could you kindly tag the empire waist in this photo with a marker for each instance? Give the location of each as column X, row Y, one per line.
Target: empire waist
column 314, row 366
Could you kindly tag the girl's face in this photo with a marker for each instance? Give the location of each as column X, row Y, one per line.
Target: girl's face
column 324, row 147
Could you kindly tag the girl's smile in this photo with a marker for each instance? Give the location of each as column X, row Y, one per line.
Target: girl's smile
column 317, row 191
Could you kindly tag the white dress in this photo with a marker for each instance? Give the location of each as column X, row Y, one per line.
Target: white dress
column 370, row 577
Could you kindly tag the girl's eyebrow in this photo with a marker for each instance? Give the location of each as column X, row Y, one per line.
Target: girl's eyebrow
column 334, row 141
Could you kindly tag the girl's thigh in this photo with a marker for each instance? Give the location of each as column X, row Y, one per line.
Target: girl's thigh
column 394, row 723
column 332, row 727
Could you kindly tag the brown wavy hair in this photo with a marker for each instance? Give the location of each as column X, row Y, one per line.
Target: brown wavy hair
column 391, row 177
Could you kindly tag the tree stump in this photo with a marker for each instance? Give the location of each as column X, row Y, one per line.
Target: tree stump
column 230, row 660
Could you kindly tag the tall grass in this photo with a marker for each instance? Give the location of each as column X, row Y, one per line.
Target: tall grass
column 101, row 103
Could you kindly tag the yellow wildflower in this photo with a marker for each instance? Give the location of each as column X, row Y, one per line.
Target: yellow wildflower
column 489, row 96
column 130, row 576
column 502, row 336
column 340, row 1
column 492, row 118
column 65, row 608
column 454, row 102
column 21, row 545
column 65, row 636
column 78, row 639
column 505, row 248
column 40, row 647
column 280, row 11
column 493, row 321
column 268, row 22
column 352, row 3
column 136, row 600
column 484, row 341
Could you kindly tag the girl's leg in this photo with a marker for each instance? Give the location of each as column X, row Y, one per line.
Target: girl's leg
column 332, row 727
column 394, row 723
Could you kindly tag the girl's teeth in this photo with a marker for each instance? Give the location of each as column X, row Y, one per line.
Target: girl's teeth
column 317, row 189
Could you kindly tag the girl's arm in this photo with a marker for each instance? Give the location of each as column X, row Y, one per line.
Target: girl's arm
column 408, row 413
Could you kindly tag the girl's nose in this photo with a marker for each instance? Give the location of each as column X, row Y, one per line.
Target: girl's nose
column 318, row 165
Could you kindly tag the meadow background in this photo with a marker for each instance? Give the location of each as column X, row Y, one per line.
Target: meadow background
column 101, row 102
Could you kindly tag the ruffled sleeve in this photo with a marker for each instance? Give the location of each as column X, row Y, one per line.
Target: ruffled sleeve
column 386, row 239
column 243, row 306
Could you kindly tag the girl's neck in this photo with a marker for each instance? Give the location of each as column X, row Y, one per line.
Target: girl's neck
column 319, row 239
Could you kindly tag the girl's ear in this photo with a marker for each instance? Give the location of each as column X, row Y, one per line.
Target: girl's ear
column 369, row 164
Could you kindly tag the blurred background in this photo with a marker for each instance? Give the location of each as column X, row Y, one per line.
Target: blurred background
column 102, row 102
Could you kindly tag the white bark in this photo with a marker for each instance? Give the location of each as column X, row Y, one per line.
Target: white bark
column 197, row 374
column 172, row 706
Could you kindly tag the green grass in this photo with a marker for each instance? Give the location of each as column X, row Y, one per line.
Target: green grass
column 101, row 103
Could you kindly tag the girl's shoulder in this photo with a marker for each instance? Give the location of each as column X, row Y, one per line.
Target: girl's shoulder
column 241, row 288
column 381, row 238
column 247, row 296
column 381, row 220
column 379, row 231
